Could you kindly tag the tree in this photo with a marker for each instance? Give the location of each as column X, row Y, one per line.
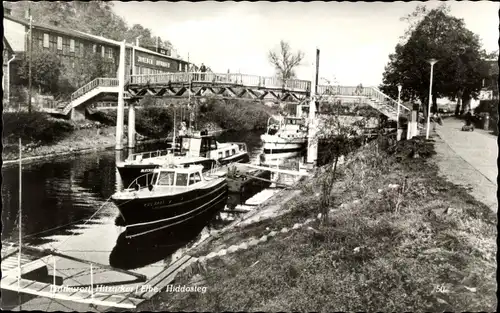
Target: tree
column 46, row 70
column 94, row 17
column 441, row 36
column 285, row 61
column 337, row 138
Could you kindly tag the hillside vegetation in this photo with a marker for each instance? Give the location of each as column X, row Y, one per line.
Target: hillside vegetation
column 399, row 238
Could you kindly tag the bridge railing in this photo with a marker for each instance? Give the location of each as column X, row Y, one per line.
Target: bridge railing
column 98, row 82
column 222, row 78
column 385, row 99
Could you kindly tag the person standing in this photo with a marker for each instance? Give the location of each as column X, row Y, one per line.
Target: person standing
column 203, row 69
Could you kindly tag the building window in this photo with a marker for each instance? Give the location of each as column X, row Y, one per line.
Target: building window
column 102, row 51
column 45, row 40
column 65, row 45
column 110, row 53
column 53, row 43
column 59, row 43
column 180, row 67
column 82, row 49
column 94, row 48
column 72, row 45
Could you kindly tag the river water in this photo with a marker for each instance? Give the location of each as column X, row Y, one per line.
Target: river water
column 65, row 206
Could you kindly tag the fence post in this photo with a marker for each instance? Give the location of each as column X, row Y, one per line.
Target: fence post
column 91, row 282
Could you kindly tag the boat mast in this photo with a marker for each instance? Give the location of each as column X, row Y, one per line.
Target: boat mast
column 19, row 225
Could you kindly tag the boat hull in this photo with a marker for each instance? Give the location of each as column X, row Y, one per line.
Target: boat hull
column 240, row 158
column 276, row 145
column 169, row 210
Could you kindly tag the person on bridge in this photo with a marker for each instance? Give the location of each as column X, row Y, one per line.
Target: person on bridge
column 203, row 69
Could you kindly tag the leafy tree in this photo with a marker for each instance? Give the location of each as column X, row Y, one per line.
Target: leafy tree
column 45, row 71
column 437, row 35
column 285, row 61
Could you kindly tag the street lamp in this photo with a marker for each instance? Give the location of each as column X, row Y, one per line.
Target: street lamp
column 398, row 110
column 431, row 62
column 134, row 72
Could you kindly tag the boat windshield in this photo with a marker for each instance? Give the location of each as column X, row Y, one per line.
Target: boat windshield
column 166, row 179
column 182, row 179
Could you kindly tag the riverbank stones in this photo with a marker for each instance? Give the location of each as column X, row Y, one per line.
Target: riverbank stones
column 210, row 255
column 243, row 246
column 223, row 252
column 284, row 230
column 309, row 220
column 253, row 242
column 272, row 233
column 263, row 238
column 296, row 225
column 232, row 249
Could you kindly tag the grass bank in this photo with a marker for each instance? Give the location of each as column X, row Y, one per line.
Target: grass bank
column 43, row 135
column 398, row 238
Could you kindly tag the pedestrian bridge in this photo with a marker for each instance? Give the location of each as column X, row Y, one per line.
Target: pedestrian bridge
column 217, row 85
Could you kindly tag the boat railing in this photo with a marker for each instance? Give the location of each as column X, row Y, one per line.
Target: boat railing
column 148, row 178
column 150, row 154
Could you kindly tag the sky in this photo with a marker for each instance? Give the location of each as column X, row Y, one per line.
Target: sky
column 354, row 38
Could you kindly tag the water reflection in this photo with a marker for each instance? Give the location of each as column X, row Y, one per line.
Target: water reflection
column 61, row 194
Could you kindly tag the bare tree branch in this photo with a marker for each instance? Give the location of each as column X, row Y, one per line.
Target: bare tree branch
column 285, row 61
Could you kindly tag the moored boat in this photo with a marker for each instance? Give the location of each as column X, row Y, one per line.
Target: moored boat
column 284, row 139
column 193, row 149
column 174, row 194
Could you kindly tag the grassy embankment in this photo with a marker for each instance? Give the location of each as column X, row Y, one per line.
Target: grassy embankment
column 424, row 245
column 42, row 135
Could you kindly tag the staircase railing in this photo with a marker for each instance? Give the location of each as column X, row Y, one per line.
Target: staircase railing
column 98, row 82
column 388, row 101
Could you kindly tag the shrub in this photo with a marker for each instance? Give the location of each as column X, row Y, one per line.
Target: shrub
column 235, row 115
column 155, row 122
column 34, row 127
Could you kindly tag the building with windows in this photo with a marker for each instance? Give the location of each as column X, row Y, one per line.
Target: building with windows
column 77, row 49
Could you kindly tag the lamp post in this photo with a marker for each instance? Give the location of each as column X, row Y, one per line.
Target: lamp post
column 431, row 62
column 134, row 72
column 398, row 110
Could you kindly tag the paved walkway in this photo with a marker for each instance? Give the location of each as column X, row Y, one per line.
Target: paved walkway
column 470, row 159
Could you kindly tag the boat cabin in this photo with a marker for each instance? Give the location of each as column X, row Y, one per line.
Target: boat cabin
column 289, row 126
column 197, row 145
column 207, row 146
column 177, row 176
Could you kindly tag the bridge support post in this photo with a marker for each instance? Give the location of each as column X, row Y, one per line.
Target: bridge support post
column 312, row 141
column 118, row 181
column 412, row 125
column 298, row 110
column 131, row 125
column 121, row 88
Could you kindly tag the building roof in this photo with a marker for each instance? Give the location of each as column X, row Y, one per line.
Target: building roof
column 82, row 35
column 7, row 46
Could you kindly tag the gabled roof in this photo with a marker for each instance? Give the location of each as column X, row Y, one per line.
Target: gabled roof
column 82, row 35
column 6, row 46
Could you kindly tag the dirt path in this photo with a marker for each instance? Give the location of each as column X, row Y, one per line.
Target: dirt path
column 469, row 159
